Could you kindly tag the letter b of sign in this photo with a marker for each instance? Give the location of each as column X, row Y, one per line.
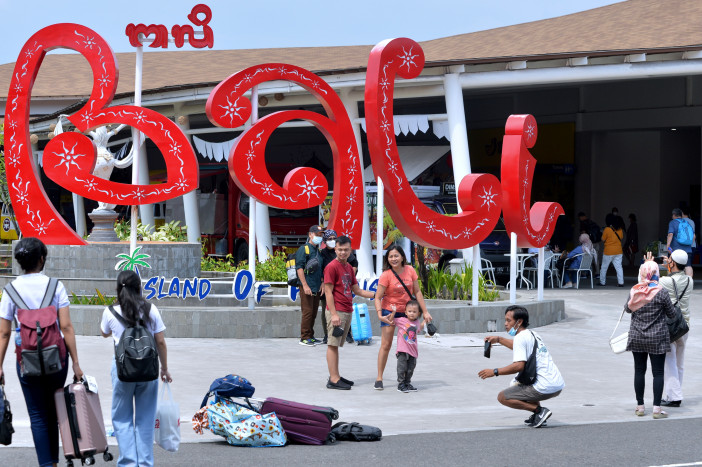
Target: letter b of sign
column 70, row 157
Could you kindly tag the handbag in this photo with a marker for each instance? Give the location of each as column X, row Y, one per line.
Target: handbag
column 244, row 427
column 167, row 429
column 6, row 428
column 618, row 344
column 527, row 376
column 677, row 326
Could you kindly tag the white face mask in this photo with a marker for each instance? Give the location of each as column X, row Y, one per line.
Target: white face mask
column 316, row 240
column 331, row 243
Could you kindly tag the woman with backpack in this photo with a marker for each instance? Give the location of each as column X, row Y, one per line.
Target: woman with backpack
column 31, row 288
column 134, row 400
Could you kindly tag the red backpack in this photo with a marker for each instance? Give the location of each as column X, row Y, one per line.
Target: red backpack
column 42, row 348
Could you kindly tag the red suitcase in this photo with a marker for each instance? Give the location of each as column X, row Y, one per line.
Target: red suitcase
column 306, row 424
column 80, row 424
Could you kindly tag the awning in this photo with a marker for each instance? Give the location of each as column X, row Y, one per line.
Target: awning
column 415, row 160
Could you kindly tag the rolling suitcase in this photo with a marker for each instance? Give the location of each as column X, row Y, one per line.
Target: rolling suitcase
column 80, row 424
column 305, row 424
column 361, row 324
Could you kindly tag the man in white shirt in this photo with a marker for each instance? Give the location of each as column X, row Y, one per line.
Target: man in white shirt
column 549, row 382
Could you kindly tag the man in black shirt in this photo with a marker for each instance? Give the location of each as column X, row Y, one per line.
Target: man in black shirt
column 328, row 255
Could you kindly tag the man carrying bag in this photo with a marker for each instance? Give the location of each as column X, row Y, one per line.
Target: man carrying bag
column 537, row 379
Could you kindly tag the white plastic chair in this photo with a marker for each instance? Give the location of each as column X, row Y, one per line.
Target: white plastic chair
column 549, row 265
column 488, row 269
column 585, row 264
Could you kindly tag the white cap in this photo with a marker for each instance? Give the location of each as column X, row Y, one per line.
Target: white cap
column 679, row 256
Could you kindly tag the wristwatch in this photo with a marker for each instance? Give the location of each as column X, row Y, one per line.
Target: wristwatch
column 497, row 373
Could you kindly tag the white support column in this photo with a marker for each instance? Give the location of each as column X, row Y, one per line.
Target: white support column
column 264, row 242
column 79, row 215
column 191, row 206
column 460, row 155
column 363, row 254
column 379, row 210
column 136, row 140
column 476, row 281
column 513, row 268
column 146, row 210
column 540, row 273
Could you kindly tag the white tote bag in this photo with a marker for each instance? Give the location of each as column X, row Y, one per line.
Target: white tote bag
column 167, row 428
column 618, row 344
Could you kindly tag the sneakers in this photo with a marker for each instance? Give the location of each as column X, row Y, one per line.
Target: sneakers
column 402, row 387
column 640, row 411
column 600, row 284
column 345, row 381
column 316, row 341
column 666, row 403
column 568, row 285
column 338, row 385
column 541, row 417
column 349, row 338
column 324, row 341
column 410, row 388
column 307, row 342
column 378, row 386
column 530, row 421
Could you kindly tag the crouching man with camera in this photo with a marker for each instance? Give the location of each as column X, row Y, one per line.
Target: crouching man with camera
column 537, row 379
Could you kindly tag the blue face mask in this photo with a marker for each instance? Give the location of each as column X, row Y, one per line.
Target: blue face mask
column 316, row 240
column 513, row 331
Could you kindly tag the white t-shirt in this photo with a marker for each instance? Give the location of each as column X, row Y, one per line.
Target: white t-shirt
column 31, row 287
column 548, row 378
column 110, row 324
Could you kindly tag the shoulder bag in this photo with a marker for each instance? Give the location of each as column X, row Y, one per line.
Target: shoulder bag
column 620, row 238
column 618, row 344
column 527, row 376
column 677, row 326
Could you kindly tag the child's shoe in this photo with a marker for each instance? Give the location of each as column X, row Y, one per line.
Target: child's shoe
column 402, row 387
column 410, row 388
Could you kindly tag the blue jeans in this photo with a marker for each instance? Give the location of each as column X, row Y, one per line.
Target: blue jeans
column 133, row 419
column 39, row 396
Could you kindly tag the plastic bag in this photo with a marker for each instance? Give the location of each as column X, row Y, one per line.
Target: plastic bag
column 244, row 427
column 167, row 429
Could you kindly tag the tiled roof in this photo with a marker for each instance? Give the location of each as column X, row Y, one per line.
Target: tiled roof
column 625, row 27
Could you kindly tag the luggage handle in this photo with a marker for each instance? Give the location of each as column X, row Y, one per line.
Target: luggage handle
column 70, row 400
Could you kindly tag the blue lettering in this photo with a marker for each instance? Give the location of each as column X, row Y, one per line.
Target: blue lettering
column 261, row 290
column 190, row 287
column 293, row 293
column 373, row 286
column 239, row 293
column 149, row 287
column 174, row 289
column 160, row 289
column 205, row 287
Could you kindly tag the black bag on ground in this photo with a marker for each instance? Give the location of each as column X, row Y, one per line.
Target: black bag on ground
column 677, row 327
column 136, row 353
column 6, row 428
column 528, row 375
column 344, row 431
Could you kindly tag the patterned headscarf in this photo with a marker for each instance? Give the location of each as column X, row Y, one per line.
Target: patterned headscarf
column 647, row 288
column 329, row 233
column 586, row 243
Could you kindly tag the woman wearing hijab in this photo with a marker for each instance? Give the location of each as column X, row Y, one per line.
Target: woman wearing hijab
column 584, row 247
column 649, row 305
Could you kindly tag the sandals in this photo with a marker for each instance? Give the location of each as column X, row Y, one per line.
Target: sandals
column 658, row 413
column 640, row 410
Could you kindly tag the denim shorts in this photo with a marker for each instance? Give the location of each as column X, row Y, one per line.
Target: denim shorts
column 388, row 312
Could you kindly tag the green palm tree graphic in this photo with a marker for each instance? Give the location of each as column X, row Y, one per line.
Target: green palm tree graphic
column 133, row 261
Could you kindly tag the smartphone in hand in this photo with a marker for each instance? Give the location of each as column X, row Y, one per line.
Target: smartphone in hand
column 486, row 352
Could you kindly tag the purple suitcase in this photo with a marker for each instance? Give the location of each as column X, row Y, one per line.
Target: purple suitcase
column 305, row 424
column 80, row 424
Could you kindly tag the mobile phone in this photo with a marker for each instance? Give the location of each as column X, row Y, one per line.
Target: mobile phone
column 486, row 352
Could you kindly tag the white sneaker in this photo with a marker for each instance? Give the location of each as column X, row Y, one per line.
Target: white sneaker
column 568, row 285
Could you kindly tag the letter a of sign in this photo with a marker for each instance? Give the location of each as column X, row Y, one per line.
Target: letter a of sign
column 69, row 158
column 533, row 227
column 479, row 195
column 303, row 187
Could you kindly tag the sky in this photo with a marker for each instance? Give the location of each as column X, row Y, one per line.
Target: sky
column 276, row 23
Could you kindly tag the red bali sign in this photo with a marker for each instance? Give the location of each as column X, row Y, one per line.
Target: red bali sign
column 69, row 158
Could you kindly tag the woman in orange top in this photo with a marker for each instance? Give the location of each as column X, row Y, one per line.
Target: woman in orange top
column 392, row 296
column 612, row 237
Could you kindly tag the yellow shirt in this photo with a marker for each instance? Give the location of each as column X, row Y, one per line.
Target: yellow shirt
column 612, row 244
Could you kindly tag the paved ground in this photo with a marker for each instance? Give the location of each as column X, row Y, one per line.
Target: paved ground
column 451, row 398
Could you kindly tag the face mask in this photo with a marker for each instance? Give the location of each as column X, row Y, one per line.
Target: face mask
column 331, row 243
column 513, row 331
column 316, row 240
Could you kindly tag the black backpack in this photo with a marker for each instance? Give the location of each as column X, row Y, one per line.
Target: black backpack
column 136, row 354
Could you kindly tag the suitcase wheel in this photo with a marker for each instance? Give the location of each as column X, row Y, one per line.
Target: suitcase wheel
column 107, row 456
column 69, row 463
column 90, row 460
